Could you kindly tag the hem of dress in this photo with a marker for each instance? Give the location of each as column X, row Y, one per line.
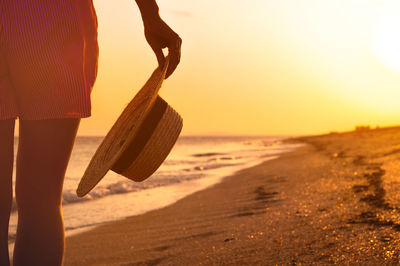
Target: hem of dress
column 8, row 118
column 61, row 116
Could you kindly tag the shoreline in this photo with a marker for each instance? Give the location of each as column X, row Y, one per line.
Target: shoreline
column 111, row 224
column 153, row 198
column 327, row 202
column 182, row 167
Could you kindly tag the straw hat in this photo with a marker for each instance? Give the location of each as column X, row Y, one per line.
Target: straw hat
column 140, row 139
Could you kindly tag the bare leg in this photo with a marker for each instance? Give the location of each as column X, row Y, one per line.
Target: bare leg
column 43, row 154
column 6, row 169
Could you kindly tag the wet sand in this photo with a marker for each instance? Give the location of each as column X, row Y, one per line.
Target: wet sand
column 335, row 200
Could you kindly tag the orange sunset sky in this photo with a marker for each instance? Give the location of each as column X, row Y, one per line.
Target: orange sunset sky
column 257, row 66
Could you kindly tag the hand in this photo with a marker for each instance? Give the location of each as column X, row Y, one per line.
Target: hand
column 159, row 35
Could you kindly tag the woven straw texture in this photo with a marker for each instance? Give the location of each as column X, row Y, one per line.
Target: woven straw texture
column 122, row 132
column 157, row 148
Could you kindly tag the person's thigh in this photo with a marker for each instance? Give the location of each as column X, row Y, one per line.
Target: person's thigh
column 43, row 153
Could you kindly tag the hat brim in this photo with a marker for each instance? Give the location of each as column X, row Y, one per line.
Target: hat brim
column 122, row 132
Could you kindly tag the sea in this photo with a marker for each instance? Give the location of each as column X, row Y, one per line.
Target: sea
column 195, row 163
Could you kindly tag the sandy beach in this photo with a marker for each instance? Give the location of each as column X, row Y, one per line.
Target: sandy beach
column 335, row 200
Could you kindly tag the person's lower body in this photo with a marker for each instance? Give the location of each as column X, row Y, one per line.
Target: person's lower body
column 43, row 153
column 48, row 65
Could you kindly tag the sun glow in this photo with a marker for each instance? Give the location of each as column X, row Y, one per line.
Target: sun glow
column 386, row 40
column 272, row 67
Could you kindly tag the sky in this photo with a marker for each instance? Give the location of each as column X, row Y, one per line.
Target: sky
column 257, row 67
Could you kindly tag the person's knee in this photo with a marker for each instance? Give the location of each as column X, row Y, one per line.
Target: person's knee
column 40, row 220
column 36, row 188
column 38, row 205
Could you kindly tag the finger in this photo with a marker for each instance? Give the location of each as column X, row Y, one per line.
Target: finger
column 160, row 58
column 173, row 63
column 157, row 49
column 175, row 57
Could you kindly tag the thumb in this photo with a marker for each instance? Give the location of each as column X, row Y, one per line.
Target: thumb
column 156, row 47
column 160, row 57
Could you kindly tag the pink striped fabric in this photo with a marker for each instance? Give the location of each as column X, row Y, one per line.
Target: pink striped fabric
column 48, row 58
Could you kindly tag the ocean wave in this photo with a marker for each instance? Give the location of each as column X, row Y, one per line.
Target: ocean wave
column 208, row 154
column 264, row 143
column 225, row 158
column 213, row 167
column 70, row 197
column 253, row 142
column 178, row 162
column 69, row 228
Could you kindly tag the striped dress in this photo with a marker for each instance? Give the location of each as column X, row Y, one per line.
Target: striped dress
column 48, row 58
